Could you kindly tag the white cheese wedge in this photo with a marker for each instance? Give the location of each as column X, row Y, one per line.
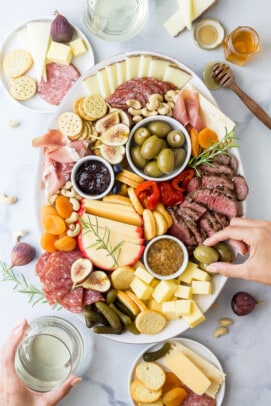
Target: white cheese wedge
column 103, row 83
column 176, row 75
column 132, row 66
column 112, row 76
column 38, row 39
column 186, row 6
column 144, row 64
column 157, row 68
column 121, row 72
column 92, row 85
column 189, row 373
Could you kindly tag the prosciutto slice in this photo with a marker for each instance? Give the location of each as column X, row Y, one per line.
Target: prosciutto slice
column 187, row 109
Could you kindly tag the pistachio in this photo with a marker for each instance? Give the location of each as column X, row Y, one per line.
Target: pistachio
column 220, row 331
column 22, row 253
column 224, row 321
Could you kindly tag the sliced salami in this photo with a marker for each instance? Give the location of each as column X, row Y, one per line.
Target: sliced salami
column 60, row 79
column 73, row 300
column 193, row 399
column 92, row 296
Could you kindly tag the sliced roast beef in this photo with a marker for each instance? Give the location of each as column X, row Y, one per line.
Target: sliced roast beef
column 210, row 223
column 228, row 160
column 240, row 186
column 216, row 201
column 216, row 169
column 180, row 230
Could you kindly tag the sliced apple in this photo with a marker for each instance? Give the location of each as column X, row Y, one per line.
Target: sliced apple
column 98, row 280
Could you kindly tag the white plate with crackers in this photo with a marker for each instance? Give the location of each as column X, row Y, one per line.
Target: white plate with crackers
column 197, row 353
column 214, row 118
column 17, row 39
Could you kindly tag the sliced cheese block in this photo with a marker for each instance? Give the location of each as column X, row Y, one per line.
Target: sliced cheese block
column 132, row 65
column 121, row 72
column 112, row 76
column 186, row 6
column 144, row 64
column 176, row 75
column 157, row 67
column 214, row 374
column 92, row 85
column 38, row 39
column 103, row 83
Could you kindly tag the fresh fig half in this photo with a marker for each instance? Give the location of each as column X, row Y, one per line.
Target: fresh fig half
column 97, row 280
column 107, row 121
column 114, row 155
column 80, row 271
column 115, row 135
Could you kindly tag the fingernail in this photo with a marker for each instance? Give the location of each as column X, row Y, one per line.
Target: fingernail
column 212, row 268
column 75, row 381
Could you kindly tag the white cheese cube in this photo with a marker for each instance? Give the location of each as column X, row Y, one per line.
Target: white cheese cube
column 152, row 304
column 164, row 290
column 78, row 47
column 201, row 288
column 183, row 307
column 59, row 53
column 141, row 289
column 201, row 275
column 188, row 273
column 169, row 310
column 143, row 274
column 183, row 292
column 195, row 317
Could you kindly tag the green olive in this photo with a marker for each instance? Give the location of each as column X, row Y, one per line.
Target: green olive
column 179, row 156
column 163, row 143
column 141, row 134
column 151, row 147
column 205, row 254
column 137, row 158
column 165, row 160
column 151, row 169
column 159, row 128
column 224, row 251
column 175, row 138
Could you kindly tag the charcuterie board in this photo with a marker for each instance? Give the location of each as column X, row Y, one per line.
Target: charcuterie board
column 101, row 79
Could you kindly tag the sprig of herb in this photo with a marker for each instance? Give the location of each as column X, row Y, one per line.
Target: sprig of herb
column 102, row 240
column 21, row 285
column 220, row 147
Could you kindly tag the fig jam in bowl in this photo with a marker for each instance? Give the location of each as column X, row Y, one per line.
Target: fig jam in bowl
column 165, row 257
column 92, row 177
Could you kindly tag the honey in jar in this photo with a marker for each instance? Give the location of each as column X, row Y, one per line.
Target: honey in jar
column 241, row 45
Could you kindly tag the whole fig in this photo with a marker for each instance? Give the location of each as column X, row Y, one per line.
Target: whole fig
column 243, row 303
column 61, row 29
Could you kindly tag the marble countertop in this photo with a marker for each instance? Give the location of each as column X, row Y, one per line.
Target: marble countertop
column 245, row 352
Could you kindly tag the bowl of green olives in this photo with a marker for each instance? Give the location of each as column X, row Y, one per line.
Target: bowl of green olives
column 158, row 148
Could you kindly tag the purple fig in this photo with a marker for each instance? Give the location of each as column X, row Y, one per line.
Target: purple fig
column 243, row 303
column 61, row 29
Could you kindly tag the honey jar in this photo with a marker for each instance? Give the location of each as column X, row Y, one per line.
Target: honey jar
column 241, row 45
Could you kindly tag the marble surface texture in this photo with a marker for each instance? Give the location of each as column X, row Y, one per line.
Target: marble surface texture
column 245, row 352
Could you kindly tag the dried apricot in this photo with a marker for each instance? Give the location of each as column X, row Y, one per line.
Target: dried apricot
column 63, row 206
column 174, row 397
column 54, row 224
column 47, row 242
column 172, row 381
column 47, row 210
column 65, row 243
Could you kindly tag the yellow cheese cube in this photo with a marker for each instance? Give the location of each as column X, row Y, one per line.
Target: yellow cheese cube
column 201, row 288
column 59, row 53
column 141, row 289
column 188, row 273
column 78, row 47
column 195, row 317
column 152, row 304
column 143, row 274
column 155, row 282
column 164, row 290
column 184, row 292
column 169, row 310
column 200, row 275
column 183, row 307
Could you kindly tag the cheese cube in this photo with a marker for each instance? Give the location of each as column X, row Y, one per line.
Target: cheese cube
column 92, row 85
column 155, row 282
column 141, row 289
column 164, row 290
column 188, row 372
column 188, row 273
column 78, row 47
column 59, row 53
column 195, row 317
column 200, row 275
column 184, row 292
column 169, row 310
column 152, row 304
column 143, row 274
column 201, row 288
column 183, row 307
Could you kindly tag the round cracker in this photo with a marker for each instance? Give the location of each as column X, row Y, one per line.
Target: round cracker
column 23, row 88
column 17, row 62
column 150, row 322
column 122, row 277
column 81, row 111
column 76, row 104
column 95, row 106
column 70, row 124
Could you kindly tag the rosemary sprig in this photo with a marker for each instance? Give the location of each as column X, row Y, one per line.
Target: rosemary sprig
column 102, row 241
column 220, row 147
column 21, row 285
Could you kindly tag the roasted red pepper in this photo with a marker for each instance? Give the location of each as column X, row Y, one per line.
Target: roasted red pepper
column 181, row 181
column 148, row 193
column 169, row 195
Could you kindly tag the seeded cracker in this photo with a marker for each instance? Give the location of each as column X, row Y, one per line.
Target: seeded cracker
column 23, row 88
column 17, row 62
column 95, row 106
column 70, row 124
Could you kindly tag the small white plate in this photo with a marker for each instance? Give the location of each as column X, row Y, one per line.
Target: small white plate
column 14, row 40
column 195, row 346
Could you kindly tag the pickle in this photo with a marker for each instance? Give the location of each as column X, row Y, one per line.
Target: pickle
column 133, row 329
column 92, row 317
column 126, row 320
column 112, row 318
column 106, row 330
column 154, row 355
column 111, row 296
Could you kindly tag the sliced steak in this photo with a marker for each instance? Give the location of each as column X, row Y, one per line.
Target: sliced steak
column 216, row 201
column 199, row 234
column 240, row 186
column 210, row 223
column 180, row 230
column 216, row 169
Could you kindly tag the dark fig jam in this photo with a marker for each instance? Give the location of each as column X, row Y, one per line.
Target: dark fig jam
column 92, row 177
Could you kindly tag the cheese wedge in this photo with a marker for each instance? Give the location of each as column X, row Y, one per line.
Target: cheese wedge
column 92, row 85
column 176, row 75
column 112, row 77
column 157, row 68
column 103, row 83
column 144, row 64
column 121, row 72
column 132, row 65
column 186, row 8
column 38, row 39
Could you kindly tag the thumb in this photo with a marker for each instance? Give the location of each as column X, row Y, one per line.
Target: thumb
column 58, row 393
column 227, row 269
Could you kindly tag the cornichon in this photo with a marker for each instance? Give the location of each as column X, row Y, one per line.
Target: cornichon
column 92, row 317
column 154, row 355
column 126, row 320
column 111, row 296
column 112, row 318
column 133, row 329
column 106, row 330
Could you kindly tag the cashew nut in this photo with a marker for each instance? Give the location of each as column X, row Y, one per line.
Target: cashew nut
column 170, row 95
column 73, row 218
column 18, row 235
column 13, row 123
column 7, row 199
column 137, row 118
column 135, row 104
column 154, row 101
column 75, row 203
column 220, row 331
column 134, row 112
column 74, row 232
column 225, row 321
column 68, row 185
column 51, row 199
column 68, row 193
column 164, row 109
column 147, row 113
